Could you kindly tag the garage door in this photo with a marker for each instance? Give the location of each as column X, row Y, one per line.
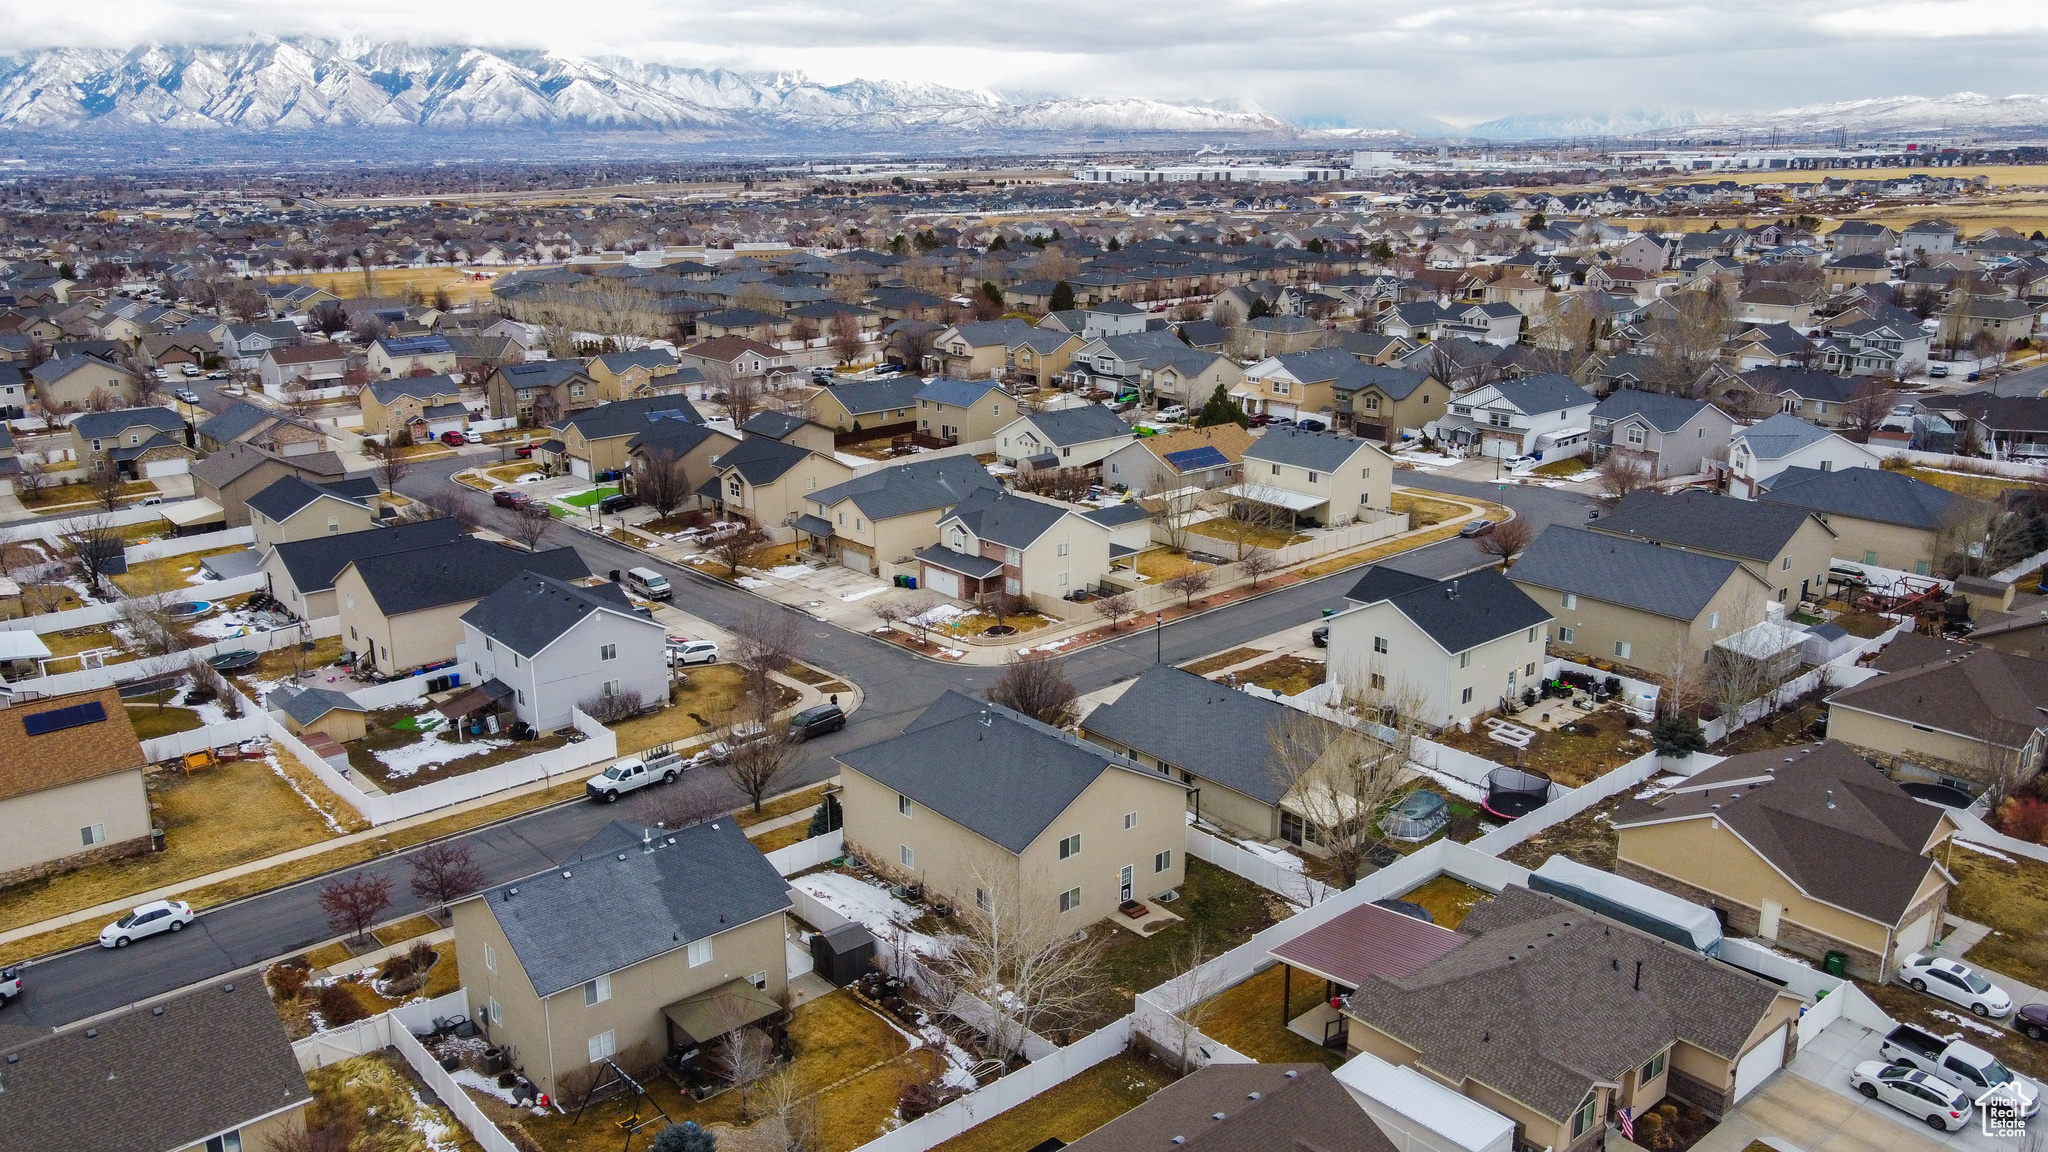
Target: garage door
column 1759, row 1062
column 579, row 467
column 1913, row 937
column 943, row 582
column 178, row 467
column 855, row 559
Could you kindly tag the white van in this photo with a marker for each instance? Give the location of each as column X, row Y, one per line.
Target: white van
column 649, row 583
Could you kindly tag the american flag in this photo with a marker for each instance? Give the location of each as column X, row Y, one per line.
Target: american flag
column 1628, row 1124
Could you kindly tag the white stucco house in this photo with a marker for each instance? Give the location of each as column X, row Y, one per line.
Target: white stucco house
column 1760, row 452
column 556, row 645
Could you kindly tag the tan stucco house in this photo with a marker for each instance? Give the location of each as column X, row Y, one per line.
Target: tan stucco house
column 1631, row 601
column 71, row 790
column 403, row 610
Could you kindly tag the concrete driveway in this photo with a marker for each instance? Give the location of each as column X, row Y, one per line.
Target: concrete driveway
column 1792, row 1112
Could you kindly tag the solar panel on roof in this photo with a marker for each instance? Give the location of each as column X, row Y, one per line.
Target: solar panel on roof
column 58, row 719
column 1191, row 459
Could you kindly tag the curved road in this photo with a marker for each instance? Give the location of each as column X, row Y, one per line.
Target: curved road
column 71, row 986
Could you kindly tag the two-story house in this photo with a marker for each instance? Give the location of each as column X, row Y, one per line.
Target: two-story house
column 74, row 383
column 404, row 355
column 559, row 646
column 1679, row 437
column 293, row 509
column 543, row 391
column 1320, row 478
column 1295, row 384
column 125, row 436
column 403, row 610
column 768, row 483
column 884, row 517
column 638, row 374
column 1757, row 454
column 300, row 573
column 1888, row 519
column 1546, row 416
column 867, row 406
column 995, row 541
column 298, row 367
column 402, row 403
column 963, row 411
column 1388, row 405
column 1789, row 547
column 1446, row 650
column 594, row 440
column 1067, row 438
column 1636, row 602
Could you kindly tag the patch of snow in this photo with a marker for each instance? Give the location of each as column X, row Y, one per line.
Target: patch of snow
column 790, row 571
column 478, row 1082
column 871, row 907
column 223, row 626
column 936, row 615
column 1048, row 646
column 1451, row 784
column 957, row 1059
column 1967, row 1022
column 864, row 594
column 271, row 759
column 438, row 1137
column 1279, row 858
column 1982, row 850
column 753, row 583
column 431, row 750
column 1661, row 784
column 952, row 653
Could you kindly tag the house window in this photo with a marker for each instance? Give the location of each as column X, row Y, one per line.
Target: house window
column 1276, row 469
column 903, row 804
column 732, row 485
column 93, row 834
column 597, row 991
column 1583, row 1118
column 1467, row 697
column 487, row 644
column 700, row 952
column 759, row 980
column 497, row 1013
column 1071, row 846
column 1365, row 473
column 1130, row 821
column 1652, row 1070
column 1919, row 567
column 1070, row 899
column 490, row 958
column 1280, row 387
column 1785, row 565
column 603, row 1045
column 1713, row 620
column 1311, row 477
column 1571, row 600
column 907, row 855
column 1062, row 550
column 1635, row 435
column 1379, row 645
column 1622, row 649
column 608, row 652
column 520, row 695
column 225, row 1142
column 1162, row 861
column 1870, row 557
column 333, row 526
column 611, row 688
column 1378, row 681
column 1532, row 635
column 982, row 899
column 1827, row 465
column 1063, row 580
column 1564, row 635
column 1464, row 659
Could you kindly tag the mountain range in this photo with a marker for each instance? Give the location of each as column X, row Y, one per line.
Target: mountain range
column 1894, row 116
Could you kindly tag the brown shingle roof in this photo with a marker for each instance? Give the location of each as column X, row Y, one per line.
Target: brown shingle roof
column 1228, row 439
column 1263, row 1108
column 1979, row 693
column 87, row 752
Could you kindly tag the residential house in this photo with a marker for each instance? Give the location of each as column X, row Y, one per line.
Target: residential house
column 963, row 411
column 768, row 483
column 229, row 477
column 1233, row 1106
column 1546, row 416
column 1757, row 454
column 402, row 403
column 2010, row 427
column 1813, row 851
column 243, row 345
column 1187, row 377
column 560, row 646
column 542, row 391
column 790, row 429
column 77, row 383
column 335, row 715
column 1295, row 384
column 1203, row 458
column 129, row 438
column 1788, row 546
column 673, row 443
column 1962, row 715
column 293, row 509
column 596, row 957
column 2003, row 320
column 1888, row 519
column 1319, row 478
column 1218, row 743
column 1929, row 238
column 300, row 573
column 1277, row 335
column 1636, row 602
column 883, row 518
column 428, row 354
column 267, row 428
column 594, row 440
column 980, row 350
column 1861, row 238
column 1388, row 405
column 991, row 810
column 15, row 394
column 1068, row 438
column 1679, row 437
column 867, row 406
column 210, row 1069
column 1676, row 1024
column 1820, row 398
column 639, row 374
column 1768, row 303
column 999, row 542
column 403, row 610
column 295, row 368
column 71, row 790
column 734, row 362
column 1041, row 355
column 1445, row 650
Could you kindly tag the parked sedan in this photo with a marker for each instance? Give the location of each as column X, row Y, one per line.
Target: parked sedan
column 524, row 451
column 1955, row 982
column 1476, row 528
column 510, row 498
column 1310, row 424
column 454, row 439
column 1943, row 1107
column 2032, row 1021
column 147, row 920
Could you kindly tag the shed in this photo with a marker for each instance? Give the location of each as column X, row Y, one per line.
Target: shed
column 841, row 954
column 1825, row 642
column 1428, row 1116
column 320, row 710
column 1420, row 815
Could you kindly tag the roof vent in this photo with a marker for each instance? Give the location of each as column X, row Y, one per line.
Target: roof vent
column 1831, row 798
column 714, row 828
column 156, row 1011
column 1451, row 593
column 512, row 891
column 227, row 987
column 565, row 873
column 1216, row 1116
column 1291, row 1073
column 91, row 1033
column 646, row 840
column 622, row 855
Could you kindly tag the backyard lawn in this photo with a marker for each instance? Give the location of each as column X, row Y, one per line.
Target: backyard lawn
column 151, row 721
column 1068, row 1111
column 1228, row 531
column 2010, row 897
column 1161, row 564
column 400, row 749
column 1448, row 899
column 1291, row 675
column 170, row 574
column 1588, row 838
column 1246, row 1017
column 1574, row 754
column 1219, row 909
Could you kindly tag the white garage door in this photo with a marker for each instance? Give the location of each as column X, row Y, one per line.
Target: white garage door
column 579, row 467
column 855, row 559
column 943, row 582
column 1913, row 937
column 178, row 467
column 1759, row 1062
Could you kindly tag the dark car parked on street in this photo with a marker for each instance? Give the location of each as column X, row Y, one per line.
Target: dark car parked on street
column 816, row 721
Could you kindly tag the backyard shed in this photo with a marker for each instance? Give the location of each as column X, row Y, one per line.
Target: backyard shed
column 841, row 954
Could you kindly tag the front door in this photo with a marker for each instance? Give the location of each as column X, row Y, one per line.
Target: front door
column 1123, row 891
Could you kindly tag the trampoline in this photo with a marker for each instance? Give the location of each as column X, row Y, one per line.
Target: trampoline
column 1512, row 793
column 1419, row 815
column 1940, row 794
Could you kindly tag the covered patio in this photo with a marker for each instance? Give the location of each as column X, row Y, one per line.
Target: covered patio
column 703, row 1029
column 1294, row 503
column 480, row 711
column 1367, row 942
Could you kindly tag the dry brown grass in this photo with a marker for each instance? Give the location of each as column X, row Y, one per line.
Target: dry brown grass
column 1068, row 1111
column 1222, row 660
column 1397, row 545
column 1588, row 838
column 1590, row 747
column 1292, row 675
column 1448, row 899
column 406, row 929
column 794, row 802
column 1975, row 487
column 1247, row 1017
column 1425, row 511
column 169, row 574
column 707, row 697
column 398, row 281
column 151, row 721
column 1161, row 564
column 784, row 836
column 2011, row 897
column 1254, row 535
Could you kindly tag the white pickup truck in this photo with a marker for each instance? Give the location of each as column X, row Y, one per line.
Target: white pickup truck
column 626, row 776
column 1966, row 1066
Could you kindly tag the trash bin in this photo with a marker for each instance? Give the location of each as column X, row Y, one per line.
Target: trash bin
column 1836, row 963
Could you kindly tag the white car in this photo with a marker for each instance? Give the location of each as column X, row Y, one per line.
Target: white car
column 10, row 985
column 1943, row 1107
column 1957, row 983
column 692, row 652
column 1173, row 413
column 623, row 777
column 147, row 920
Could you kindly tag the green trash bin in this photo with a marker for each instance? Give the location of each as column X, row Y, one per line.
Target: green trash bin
column 1836, row 963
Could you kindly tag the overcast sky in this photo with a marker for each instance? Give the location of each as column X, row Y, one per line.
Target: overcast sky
column 1322, row 62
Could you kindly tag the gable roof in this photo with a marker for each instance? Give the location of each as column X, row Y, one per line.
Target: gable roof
column 957, row 393
column 772, row 424
column 1707, row 521
column 306, row 705
column 240, row 418
column 617, row 903
column 625, row 417
column 1780, row 436
column 875, row 395
column 286, row 495
column 1244, row 1108
column 418, row 387
column 995, row 772
column 760, row 460
column 1218, row 733
column 1660, row 410
column 1460, row 613
column 1317, row 451
column 1867, row 494
column 87, row 750
column 1081, row 425
column 154, row 1079
column 1544, row 392
column 1632, row 573
column 241, row 458
column 542, row 373
column 313, row 564
column 996, row 514
column 1228, row 441
column 917, row 486
column 1840, row 830
column 1979, row 693
column 463, row 569
column 53, row 370
column 532, row 611
column 102, row 424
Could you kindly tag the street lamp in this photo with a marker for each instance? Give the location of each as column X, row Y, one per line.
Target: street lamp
column 1159, row 637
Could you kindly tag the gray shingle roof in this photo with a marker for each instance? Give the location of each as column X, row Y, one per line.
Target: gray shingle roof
column 957, row 393
column 1664, row 412
column 1632, row 573
column 1116, row 515
column 1460, row 613
column 918, row 486
column 598, row 914
column 163, row 1077
column 1218, row 733
column 1001, row 516
column 760, row 460
column 287, row 494
column 1866, row 494
column 772, row 424
column 542, row 373
column 102, row 424
column 236, row 421
column 417, row 387
column 877, row 395
column 532, row 611
column 1707, row 521
column 1080, row 425
column 979, row 567
column 625, row 417
column 1265, row 1108
column 998, row 773
column 1548, row 392
column 465, row 569
column 306, row 705
column 1317, row 451
column 1780, row 436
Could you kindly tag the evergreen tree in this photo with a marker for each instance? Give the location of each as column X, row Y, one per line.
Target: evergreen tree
column 684, row 1137
column 1259, row 310
column 1062, row 297
column 993, row 293
column 1221, row 409
column 1315, row 244
column 1115, row 245
column 999, row 244
column 1678, row 734
column 827, row 818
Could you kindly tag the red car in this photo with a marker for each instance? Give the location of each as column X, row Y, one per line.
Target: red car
column 454, row 439
column 524, row 451
column 507, row 498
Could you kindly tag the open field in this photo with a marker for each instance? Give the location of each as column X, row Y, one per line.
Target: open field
column 397, row 281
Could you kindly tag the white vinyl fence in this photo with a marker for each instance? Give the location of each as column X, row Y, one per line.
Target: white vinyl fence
column 1322, row 542
column 394, row 1029
column 1841, row 672
column 1292, row 883
column 807, row 853
column 1610, row 784
column 252, row 725
column 186, row 545
column 93, row 615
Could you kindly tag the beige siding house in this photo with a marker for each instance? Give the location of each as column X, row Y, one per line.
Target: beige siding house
column 882, row 519
column 1947, row 712
column 769, row 483
column 403, row 610
column 1788, row 547
column 997, row 541
column 1449, row 649
column 71, row 790
column 292, row 509
column 1634, row 602
column 1318, row 477
column 963, row 411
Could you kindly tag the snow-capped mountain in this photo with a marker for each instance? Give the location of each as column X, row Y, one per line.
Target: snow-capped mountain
column 1554, row 126
column 1912, row 116
column 310, row 85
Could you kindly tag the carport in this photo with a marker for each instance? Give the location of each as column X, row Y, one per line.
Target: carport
column 1295, row 503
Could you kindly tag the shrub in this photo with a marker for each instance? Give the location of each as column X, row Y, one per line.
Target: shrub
column 288, row 980
column 2024, row 818
column 339, row 1006
column 684, row 1137
column 916, row 1099
column 611, row 709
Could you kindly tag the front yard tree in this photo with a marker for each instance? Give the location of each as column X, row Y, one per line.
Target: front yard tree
column 1062, row 299
column 661, row 482
column 1507, row 540
column 758, row 747
column 95, row 543
column 1624, row 472
column 763, row 643
column 1257, row 564
column 1037, row 686
column 736, row 548
column 107, row 486
column 393, row 465
column 847, row 346
column 530, row 524
column 1114, row 608
column 1221, row 409
column 352, row 905
column 443, row 872
column 1190, row 584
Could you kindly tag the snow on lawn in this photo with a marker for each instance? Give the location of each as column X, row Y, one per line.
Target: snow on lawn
column 870, row 907
column 1427, row 459
column 957, row 1059
column 790, row 571
column 1271, row 855
column 1451, row 784
column 936, row 615
column 1048, row 646
column 754, row 583
column 431, row 750
column 224, row 626
column 1965, row 1021
column 864, row 593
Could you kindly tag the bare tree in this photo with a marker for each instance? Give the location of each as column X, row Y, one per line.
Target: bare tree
column 149, row 625
column 759, row 748
column 393, row 465
column 1624, row 472
column 764, row 642
column 737, row 547
column 31, row 481
column 1037, row 686
column 1174, row 512
column 97, row 544
column 1191, row 995
column 1190, row 584
column 1257, row 564
column 660, row 481
column 1067, row 484
column 107, row 486
column 748, row 1057
column 448, row 504
column 352, row 905
column 846, row 342
column 1867, row 408
column 530, row 524
column 794, row 1109
column 675, row 808
column 444, row 871
column 1114, row 608
column 1029, row 969
column 1507, row 540
column 1337, row 777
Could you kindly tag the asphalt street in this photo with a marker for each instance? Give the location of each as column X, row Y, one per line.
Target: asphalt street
column 896, row 684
